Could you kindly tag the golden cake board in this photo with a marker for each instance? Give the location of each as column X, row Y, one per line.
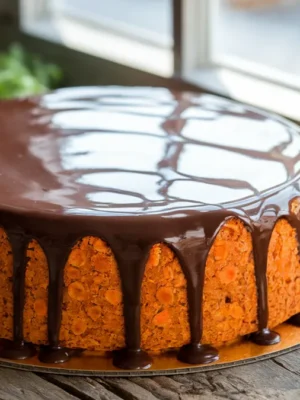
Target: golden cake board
column 89, row 364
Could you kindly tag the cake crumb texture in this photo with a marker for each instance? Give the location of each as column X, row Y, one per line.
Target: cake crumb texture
column 36, row 295
column 92, row 310
column 283, row 274
column 229, row 296
column 92, row 314
column 164, row 316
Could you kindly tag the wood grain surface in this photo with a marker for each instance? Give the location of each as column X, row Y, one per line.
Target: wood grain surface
column 277, row 378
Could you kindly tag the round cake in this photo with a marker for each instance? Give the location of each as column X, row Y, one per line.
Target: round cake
column 135, row 221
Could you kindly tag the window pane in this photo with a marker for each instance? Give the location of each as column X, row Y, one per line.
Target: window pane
column 135, row 33
column 265, row 32
column 147, row 19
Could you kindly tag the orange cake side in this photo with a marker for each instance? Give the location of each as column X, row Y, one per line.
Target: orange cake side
column 230, row 299
column 92, row 312
column 36, row 295
column 92, row 305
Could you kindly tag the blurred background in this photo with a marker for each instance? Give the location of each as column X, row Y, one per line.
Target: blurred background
column 242, row 49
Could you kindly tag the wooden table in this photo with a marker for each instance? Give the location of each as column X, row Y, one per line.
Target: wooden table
column 277, row 378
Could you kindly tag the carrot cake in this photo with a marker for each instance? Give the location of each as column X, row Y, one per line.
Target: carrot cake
column 138, row 220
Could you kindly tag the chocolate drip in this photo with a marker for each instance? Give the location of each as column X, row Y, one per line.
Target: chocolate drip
column 17, row 349
column 56, row 254
column 261, row 236
column 295, row 320
column 131, row 256
column 192, row 250
column 192, row 256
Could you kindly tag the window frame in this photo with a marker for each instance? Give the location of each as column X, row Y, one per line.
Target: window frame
column 96, row 38
column 232, row 77
column 192, row 62
column 118, row 27
column 202, row 56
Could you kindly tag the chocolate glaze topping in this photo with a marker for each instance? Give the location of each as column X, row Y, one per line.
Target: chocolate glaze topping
column 137, row 166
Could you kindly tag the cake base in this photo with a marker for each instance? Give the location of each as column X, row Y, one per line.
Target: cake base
column 91, row 364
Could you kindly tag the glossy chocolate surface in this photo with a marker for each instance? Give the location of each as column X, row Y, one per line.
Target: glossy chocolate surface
column 137, row 166
column 114, row 151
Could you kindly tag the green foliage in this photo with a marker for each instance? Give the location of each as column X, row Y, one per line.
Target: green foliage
column 23, row 74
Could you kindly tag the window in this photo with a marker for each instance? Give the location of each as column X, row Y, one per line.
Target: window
column 137, row 33
column 244, row 49
column 148, row 20
column 259, row 39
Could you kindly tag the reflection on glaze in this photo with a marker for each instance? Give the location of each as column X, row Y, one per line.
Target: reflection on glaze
column 137, row 166
column 133, row 151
